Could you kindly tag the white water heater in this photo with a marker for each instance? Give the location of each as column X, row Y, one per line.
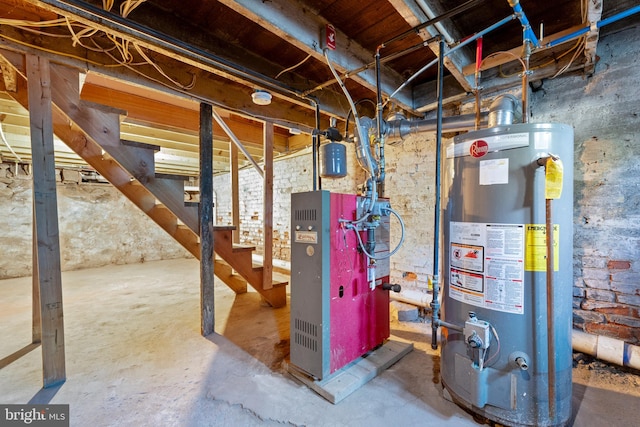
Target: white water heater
column 508, row 355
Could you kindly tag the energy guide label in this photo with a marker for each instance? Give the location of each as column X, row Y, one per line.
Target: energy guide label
column 486, row 265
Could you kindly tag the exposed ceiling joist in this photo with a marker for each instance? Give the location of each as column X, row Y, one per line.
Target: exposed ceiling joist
column 457, row 60
column 296, row 23
column 199, row 61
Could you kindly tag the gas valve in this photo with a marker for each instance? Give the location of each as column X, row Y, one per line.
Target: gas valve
column 476, row 332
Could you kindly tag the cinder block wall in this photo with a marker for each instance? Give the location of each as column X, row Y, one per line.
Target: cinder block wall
column 98, row 226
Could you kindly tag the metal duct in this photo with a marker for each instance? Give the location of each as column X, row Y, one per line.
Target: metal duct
column 504, row 110
column 397, row 130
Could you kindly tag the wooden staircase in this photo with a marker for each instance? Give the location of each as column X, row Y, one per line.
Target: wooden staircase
column 93, row 132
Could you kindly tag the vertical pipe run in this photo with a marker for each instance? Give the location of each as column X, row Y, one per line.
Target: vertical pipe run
column 525, row 86
column 435, row 305
column 379, row 124
column 477, row 78
column 316, row 146
column 551, row 336
column 529, row 35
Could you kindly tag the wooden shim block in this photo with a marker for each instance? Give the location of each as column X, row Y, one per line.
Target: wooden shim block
column 347, row 380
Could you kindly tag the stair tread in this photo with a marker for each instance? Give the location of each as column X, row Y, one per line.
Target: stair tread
column 239, row 247
column 277, row 279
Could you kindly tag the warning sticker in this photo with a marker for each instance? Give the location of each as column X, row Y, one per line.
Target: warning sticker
column 536, row 247
column 469, row 257
column 486, row 265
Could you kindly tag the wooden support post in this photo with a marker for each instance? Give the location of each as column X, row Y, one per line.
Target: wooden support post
column 206, row 220
column 46, row 220
column 267, row 261
column 235, row 197
column 36, row 318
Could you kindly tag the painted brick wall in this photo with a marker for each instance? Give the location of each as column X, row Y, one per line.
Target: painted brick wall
column 98, row 226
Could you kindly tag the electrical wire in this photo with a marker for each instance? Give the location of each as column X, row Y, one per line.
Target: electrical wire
column 4, row 139
column 293, row 67
column 127, row 7
column 495, row 334
column 55, row 52
column 537, row 67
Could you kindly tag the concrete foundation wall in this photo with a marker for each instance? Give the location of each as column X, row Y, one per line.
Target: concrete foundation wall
column 98, row 226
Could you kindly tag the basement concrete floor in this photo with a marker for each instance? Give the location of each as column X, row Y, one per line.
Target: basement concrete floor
column 135, row 357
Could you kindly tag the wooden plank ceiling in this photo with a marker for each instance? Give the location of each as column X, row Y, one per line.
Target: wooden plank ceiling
column 157, row 60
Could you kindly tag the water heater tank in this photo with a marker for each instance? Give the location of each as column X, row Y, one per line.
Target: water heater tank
column 500, row 363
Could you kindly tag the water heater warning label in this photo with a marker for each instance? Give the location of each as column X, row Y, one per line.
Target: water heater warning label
column 486, row 265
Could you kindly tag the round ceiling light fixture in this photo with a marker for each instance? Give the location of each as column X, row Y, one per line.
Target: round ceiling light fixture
column 261, row 97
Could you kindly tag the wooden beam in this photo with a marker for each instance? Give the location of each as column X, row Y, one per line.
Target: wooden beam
column 235, row 197
column 594, row 14
column 415, row 15
column 206, row 220
column 213, row 84
column 36, row 318
column 146, row 106
column 300, row 25
column 46, row 220
column 267, row 261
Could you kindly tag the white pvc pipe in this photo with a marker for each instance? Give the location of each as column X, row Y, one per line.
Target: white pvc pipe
column 608, row 349
column 413, row 297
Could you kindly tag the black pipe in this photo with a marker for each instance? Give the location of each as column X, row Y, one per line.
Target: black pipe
column 435, row 305
column 456, row 10
column 315, row 148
